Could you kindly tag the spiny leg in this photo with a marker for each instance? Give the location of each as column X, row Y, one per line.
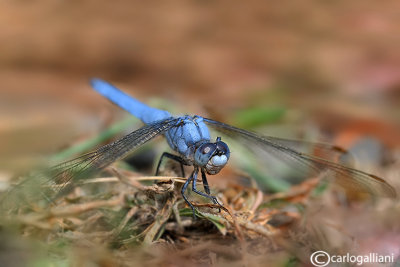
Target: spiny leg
column 213, row 198
column 185, row 185
column 173, row 157
column 205, row 183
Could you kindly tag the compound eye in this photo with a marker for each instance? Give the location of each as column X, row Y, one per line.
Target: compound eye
column 222, row 147
column 208, row 148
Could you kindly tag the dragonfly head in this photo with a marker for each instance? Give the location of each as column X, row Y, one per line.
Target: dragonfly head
column 212, row 156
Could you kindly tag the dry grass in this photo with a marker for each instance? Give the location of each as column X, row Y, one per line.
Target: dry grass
column 119, row 221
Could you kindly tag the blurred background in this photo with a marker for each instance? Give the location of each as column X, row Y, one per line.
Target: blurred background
column 318, row 70
column 312, row 70
column 334, row 64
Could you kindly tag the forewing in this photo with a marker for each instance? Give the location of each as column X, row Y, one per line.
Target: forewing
column 282, row 150
column 62, row 178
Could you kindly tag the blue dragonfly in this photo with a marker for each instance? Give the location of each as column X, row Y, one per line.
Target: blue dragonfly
column 189, row 136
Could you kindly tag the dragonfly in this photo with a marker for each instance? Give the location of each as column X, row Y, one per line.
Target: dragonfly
column 190, row 138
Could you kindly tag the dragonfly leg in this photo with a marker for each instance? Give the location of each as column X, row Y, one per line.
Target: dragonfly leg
column 173, row 157
column 194, row 189
column 205, row 183
column 185, row 185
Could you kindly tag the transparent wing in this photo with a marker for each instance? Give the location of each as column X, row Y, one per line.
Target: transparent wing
column 81, row 167
column 283, row 151
column 61, row 178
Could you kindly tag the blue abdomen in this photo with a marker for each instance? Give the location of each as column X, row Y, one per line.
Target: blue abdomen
column 136, row 108
column 183, row 138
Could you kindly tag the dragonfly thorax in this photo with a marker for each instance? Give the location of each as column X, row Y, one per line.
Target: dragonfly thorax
column 212, row 156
